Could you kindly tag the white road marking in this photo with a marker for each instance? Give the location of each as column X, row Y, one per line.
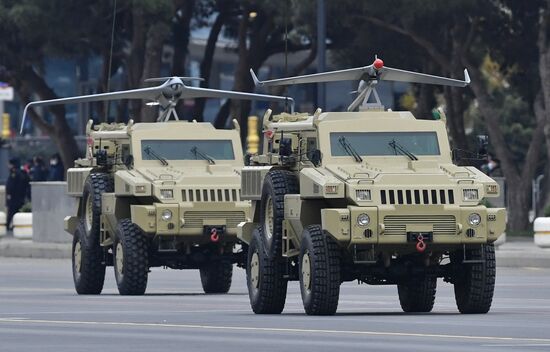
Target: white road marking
column 518, row 345
column 268, row 329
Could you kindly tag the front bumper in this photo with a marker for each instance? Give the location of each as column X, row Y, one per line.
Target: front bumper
column 190, row 218
column 393, row 225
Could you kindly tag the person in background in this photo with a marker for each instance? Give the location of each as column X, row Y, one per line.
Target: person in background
column 39, row 172
column 17, row 187
column 27, row 167
column 57, row 169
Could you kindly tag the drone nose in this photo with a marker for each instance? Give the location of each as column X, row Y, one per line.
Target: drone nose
column 176, row 86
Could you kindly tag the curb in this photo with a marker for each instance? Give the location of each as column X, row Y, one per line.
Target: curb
column 519, row 259
column 29, row 249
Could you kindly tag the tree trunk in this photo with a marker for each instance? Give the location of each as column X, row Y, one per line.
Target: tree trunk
column 518, row 180
column 152, row 63
column 206, row 63
column 544, row 73
column 455, row 117
column 181, row 33
column 425, row 101
column 59, row 130
column 518, row 197
column 135, row 59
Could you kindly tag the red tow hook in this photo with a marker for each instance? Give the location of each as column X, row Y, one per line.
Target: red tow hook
column 420, row 245
column 214, row 237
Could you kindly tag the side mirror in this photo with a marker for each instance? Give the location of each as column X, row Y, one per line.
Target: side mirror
column 315, row 157
column 482, row 144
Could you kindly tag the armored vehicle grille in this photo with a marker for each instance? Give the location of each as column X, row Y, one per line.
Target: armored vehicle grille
column 417, row 196
column 211, row 195
column 251, row 184
column 442, row 224
column 75, row 181
column 196, row 219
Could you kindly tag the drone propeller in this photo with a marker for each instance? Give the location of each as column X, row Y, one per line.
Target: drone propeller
column 374, row 72
column 166, row 95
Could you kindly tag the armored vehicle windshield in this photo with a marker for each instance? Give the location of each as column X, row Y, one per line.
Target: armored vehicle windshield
column 188, row 149
column 384, row 143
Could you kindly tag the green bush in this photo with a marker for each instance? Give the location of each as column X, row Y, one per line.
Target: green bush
column 547, row 211
column 26, row 208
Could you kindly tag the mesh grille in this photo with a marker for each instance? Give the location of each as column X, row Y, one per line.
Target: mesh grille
column 441, row 224
column 251, row 184
column 75, row 181
column 194, row 219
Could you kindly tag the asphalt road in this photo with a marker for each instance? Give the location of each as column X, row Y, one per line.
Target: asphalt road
column 39, row 311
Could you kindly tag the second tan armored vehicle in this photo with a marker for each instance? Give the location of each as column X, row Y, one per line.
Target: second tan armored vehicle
column 368, row 195
column 157, row 194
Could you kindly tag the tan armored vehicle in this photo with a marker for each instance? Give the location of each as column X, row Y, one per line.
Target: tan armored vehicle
column 370, row 195
column 157, row 194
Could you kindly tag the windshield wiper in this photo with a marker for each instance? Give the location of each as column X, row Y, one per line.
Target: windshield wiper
column 205, row 156
column 150, row 152
column 398, row 147
column 349, row 149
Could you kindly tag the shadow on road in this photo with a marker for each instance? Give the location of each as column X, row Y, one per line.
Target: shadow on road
column 182, row 294
column 349, row 314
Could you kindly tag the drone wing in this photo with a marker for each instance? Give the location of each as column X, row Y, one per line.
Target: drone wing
column 351, row 74
column 171, row 90
column 375, row 71
column 151, row 93
column 394, row 74
column 192, row 92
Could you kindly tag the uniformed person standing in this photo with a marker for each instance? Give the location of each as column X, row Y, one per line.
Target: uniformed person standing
column 17, row 187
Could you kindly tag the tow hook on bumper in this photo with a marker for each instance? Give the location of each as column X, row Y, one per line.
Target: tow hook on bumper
column 214, row 232
column 420, row 238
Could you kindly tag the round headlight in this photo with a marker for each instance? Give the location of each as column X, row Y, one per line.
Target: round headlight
column 363, row 220
column 474, row 219
column 166, row 215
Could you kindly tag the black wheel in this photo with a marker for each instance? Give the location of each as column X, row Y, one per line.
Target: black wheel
column 320, row 271
column 418, row 295
column 276, row 184
column 264, row 278
column 90, row 209
column 216, row 276
column 475, row 283
column 88, row 265
column 131, row 258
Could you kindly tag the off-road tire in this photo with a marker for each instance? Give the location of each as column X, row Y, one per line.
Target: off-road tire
column 216, row 276
column 87, row 262
column 276, row 184
column 418, row 295
column 96, row 184
column 474, row 284
column 131, row 279
column 321, row 290
column 264, row 277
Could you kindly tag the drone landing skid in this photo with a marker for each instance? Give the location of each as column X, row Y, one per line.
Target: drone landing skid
column 365, row 91
column 168, row 113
